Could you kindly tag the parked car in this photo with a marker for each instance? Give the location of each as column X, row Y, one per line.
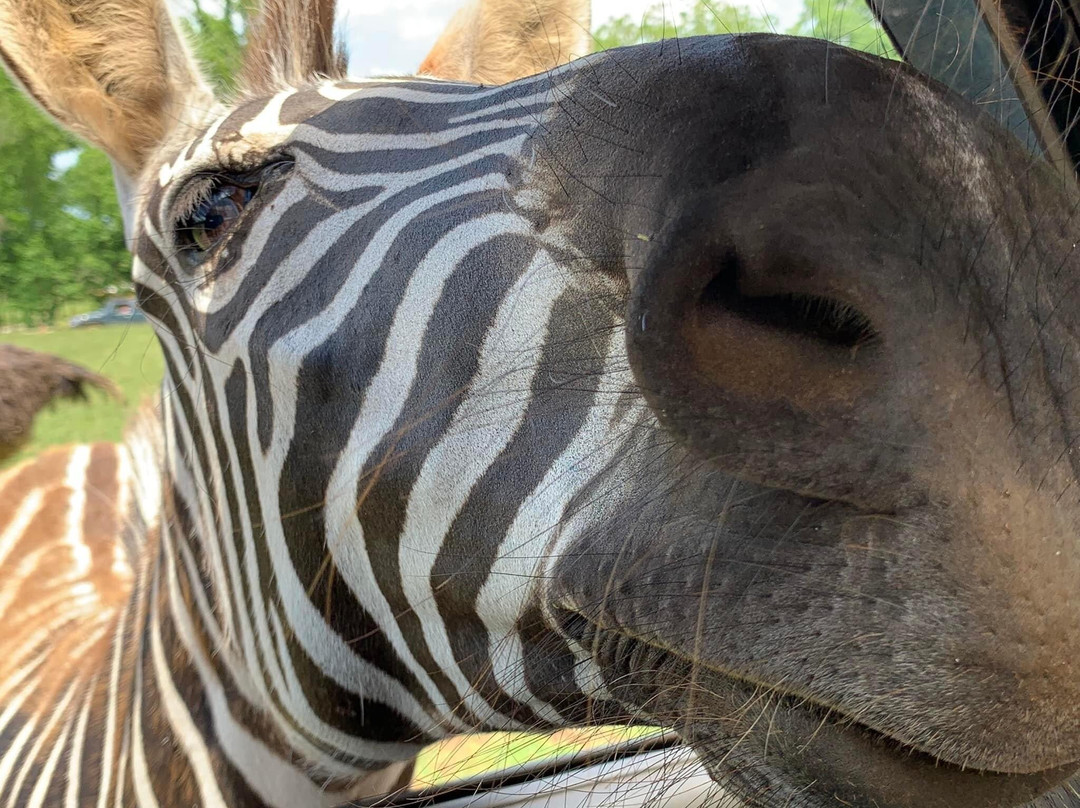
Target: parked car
column 115, row 310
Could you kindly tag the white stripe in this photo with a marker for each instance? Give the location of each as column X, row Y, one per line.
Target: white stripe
column 483, row 425
column 41, row 788
column 325, row 761
column 395, row 182
column 75, row 479
column 383, row 403
column 140, row 773
column 14, row 749
column 275, row 782
column 544, row 97
column 298, row 707
column 330, row 652
column 13, row 579
column 75, row 758
column 407, row 88
column 184, row 731
column 196, row 494
column 337, row 143
column 238, row 641
column 24, row 514
column 109, row 746
column 44, row 735
column 27, row 667
column 121, row 564
column 146, row 475
column 516, row 572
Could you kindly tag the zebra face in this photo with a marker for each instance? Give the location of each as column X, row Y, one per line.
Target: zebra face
column 579, row 397
column 728, row 386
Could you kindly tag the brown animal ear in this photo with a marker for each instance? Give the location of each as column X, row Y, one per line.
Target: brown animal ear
column 115, row 72
column 496, row 41
column 292, row 42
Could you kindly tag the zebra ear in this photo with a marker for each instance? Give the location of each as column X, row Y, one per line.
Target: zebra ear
column 496, row 41
column 115, row 72
column 290, row 43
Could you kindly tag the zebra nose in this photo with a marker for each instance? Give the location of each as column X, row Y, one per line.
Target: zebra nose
column 755, row 353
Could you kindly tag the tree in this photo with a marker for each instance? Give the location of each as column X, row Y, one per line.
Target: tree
column 61, row 234
column 848, row 22
column 658, row 23
column 219, row 41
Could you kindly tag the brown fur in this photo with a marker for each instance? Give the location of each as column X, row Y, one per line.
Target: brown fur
column 497, row 41
column 41, row 564
column 292, row 41
column 29, row 381
column 97, row 67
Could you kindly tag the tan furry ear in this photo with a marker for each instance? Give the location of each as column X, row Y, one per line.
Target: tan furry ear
column 115, row 72
column 291, row 42
column 496, row 41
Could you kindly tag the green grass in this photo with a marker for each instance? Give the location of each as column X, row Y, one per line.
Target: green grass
column 475, row 755
column 127, row 354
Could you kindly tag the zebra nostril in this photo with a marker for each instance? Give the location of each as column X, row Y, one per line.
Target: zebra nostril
column 755, row 348
column 824, row 321
column 752, row 335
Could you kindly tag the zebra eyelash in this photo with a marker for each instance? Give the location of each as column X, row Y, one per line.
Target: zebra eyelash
column 194, row 193
column 200, row 188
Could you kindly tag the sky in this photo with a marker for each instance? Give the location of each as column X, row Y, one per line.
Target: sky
column 393, row 36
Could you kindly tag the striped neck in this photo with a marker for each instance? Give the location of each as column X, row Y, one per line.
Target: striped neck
column 114, row 689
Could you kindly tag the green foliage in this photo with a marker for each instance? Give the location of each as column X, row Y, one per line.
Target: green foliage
column 848, row 22
column 658, row 23
column 218, row 41
column 61, row 235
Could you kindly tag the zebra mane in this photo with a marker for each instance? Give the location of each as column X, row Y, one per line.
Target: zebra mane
column 291, row 42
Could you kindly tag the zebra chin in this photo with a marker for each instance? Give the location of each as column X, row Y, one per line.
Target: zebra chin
column 768, row 747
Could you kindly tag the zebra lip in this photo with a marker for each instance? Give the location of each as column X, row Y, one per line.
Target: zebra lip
column 824, row 756
column 858, row 765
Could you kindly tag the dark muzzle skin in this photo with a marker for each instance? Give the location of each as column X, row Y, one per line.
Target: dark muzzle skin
column 853, row 309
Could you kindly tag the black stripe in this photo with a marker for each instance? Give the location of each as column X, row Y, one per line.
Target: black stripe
column 369, row 113
column 170, row 772
column 333, row 381
column 549, row 668
column 333, row 268
column 560, row 399
column 447, row 363
column 344, row 710
column 336, row 706
column 402, row 161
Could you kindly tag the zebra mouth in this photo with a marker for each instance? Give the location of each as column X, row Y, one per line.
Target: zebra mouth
column 839, row 760
column 826, row 758
column 769, row 747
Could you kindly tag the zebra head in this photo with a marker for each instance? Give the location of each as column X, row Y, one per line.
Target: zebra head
column 727, row 384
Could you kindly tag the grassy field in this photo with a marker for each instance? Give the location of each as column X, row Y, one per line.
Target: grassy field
column 129, row 355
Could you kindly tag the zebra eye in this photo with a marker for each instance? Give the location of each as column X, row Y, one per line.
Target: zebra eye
column 211, row 206
column 214, row 216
